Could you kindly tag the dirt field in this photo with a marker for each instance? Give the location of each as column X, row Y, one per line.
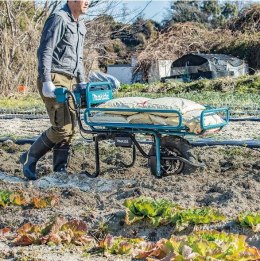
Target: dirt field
column 230, row 182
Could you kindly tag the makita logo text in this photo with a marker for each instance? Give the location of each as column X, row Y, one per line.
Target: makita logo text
column 103, row 96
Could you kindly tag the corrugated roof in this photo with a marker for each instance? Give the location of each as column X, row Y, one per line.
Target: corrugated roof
column 224, row 57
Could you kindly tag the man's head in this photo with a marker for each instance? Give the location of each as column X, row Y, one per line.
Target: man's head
column 78, row 7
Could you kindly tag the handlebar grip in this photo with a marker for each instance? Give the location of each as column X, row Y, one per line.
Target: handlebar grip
column 61, row 94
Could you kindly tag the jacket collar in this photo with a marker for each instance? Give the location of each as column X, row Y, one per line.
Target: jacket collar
column 68, row 11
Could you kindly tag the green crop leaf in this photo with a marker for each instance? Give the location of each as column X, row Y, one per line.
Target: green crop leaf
column 26, row 240
column 122, row 248
column 221, row 246
column 28, row 234
column 129, row 204
column 199, row 246
column 17, row 199
column 119, row 245
column 131, row 218
column 157, row 211
column 251, row 220
column 39, row 203
column 4, row 198
column 29, row 228
column 107, row 242
column 162, row 250
column 161, row 212
column 14, row 198
column 62, row 231
column 183, row 219
column 144, row 250
column 158, row 220
column 188, row 253
column 54, row 225
column 22, row 199
column 78, row 227
column 43, row 202
column 149, row 208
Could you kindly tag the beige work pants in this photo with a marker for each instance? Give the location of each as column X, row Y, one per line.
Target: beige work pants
column 62, row 117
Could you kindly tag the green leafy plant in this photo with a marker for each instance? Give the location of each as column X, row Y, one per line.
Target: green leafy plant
column 157, row 211
column 161, row 212
column 11, row 198
column 43, row 202
column 221, row 246
column 251, row 220
column 57, row 231
column 199, row 246
column 209, row 245
column 184, row 218
column 21, row 198
column 119, row 245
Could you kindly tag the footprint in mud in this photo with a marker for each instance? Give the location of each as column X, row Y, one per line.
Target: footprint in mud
column 215, row 197
column 256, row 177
column 123, row 194
column 256, row 166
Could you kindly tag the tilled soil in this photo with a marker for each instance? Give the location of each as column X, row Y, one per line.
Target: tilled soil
column 229, row 182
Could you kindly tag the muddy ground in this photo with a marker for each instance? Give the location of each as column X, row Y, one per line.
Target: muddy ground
column 229, row 182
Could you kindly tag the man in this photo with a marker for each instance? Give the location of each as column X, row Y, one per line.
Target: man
column 60, row 63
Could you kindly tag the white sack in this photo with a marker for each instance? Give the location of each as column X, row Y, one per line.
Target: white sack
column 140, row 118
column 172, row 103
column 108, row 118
column 190, row 119
column 125, row 103
column 190, row 111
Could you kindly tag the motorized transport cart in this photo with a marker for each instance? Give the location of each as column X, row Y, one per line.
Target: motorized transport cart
column 170, row 152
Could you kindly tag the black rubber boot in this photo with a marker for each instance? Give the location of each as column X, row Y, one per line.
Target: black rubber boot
column 29, row 158
column 61, row 153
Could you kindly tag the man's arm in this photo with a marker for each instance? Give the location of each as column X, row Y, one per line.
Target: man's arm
column 81, row 70
column 52, row 32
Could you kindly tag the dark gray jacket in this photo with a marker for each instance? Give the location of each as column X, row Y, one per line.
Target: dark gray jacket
column 61, row 46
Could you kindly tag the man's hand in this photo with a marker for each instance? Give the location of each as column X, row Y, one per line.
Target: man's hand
column 48, row 89
column 82, row 85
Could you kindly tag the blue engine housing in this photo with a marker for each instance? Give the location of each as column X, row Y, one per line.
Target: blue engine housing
column 88, row 94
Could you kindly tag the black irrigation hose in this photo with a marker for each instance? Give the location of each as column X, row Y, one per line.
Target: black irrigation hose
column 252, row 144
column 35, row 117
column 241, row 143
column 18, row 142
column 245, row 119
column 200, row 143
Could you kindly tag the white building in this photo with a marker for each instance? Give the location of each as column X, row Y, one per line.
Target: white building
column 159, row 69
column 124, row 72
column 209, row 66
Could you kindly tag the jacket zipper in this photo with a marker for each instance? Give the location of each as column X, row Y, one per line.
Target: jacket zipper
column 77, row 61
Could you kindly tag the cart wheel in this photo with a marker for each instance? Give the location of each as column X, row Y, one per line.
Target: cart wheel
column 173, row 146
